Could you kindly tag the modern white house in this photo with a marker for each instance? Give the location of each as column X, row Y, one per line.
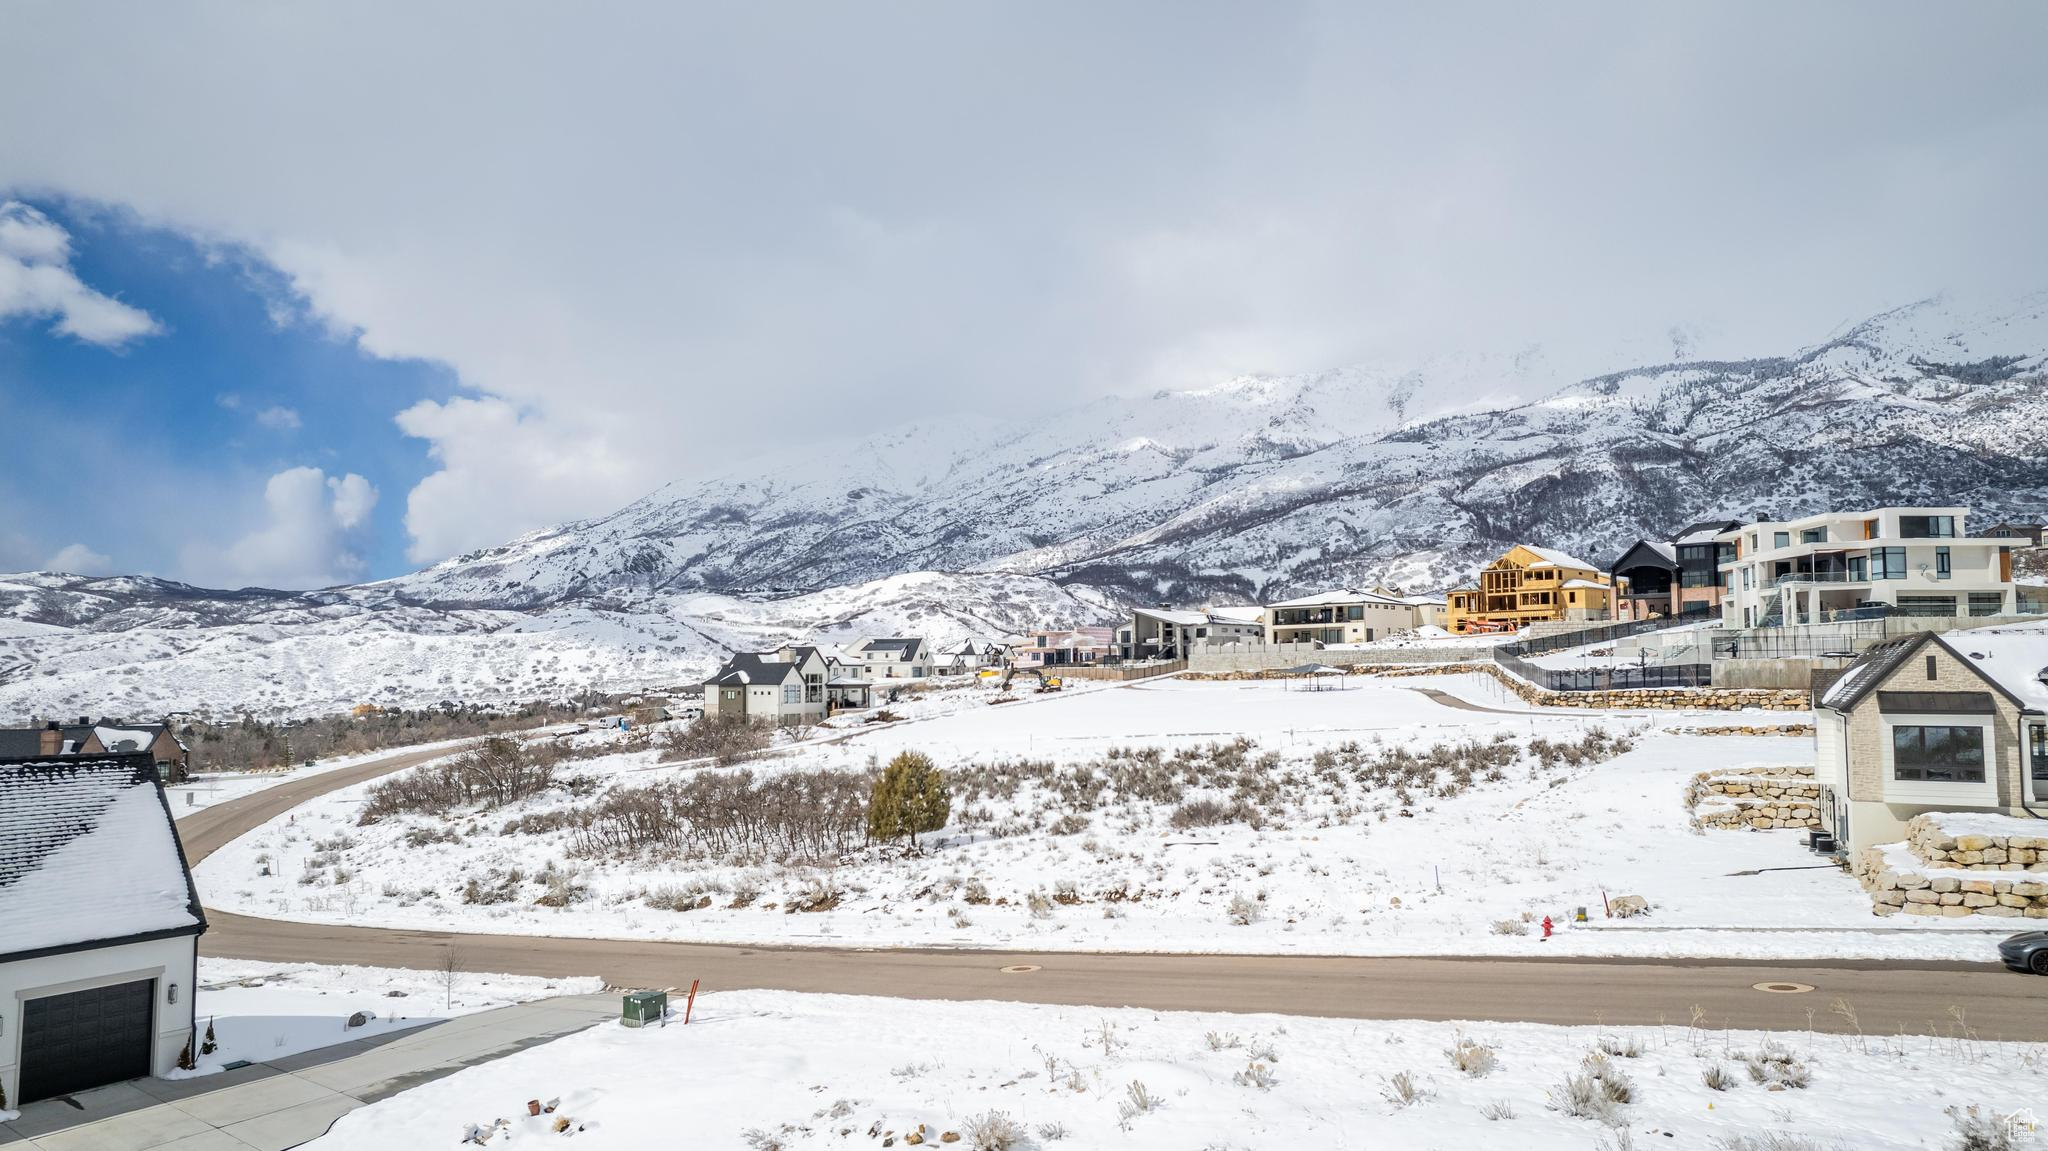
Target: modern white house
column 1955, row 721
column 1167, row 632
column 891, row 657
column 786, row 686
column 1061, row 647
column 1336, row 617
column 1910, row 561
column 99, row 926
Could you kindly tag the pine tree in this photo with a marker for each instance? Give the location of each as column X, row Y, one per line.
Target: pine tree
column 909, row 798
column 185, row 1060
column 209, row 1046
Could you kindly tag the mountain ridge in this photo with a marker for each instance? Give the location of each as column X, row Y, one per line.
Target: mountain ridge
column 1252, row 488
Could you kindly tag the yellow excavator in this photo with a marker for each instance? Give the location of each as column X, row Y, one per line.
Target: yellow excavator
column 1045, row 682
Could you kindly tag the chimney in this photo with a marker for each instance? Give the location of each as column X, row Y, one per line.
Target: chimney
column 50, row 740
column 1166, row 606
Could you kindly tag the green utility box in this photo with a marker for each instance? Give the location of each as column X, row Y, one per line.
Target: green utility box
column 643, row 1008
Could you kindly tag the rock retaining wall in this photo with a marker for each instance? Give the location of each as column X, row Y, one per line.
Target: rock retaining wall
column 1938, row 848
column 1936, row 872
column 1763, row 798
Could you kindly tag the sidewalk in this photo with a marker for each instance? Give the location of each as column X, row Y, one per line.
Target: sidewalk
column 272, row 1106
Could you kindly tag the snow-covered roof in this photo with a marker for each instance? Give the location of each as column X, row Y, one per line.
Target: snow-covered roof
column 1551, row 557
column 1341, row 597
column 1172, row 616
column 902, row 645
column 1237, row 613
column 1868, row 671
column 88, row 854
column 127, row 738
column 2013, row 658
column 1582, row 583
column 747, row 667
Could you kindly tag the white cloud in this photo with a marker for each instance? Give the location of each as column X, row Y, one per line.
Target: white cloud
column 492, row 456
column 645, row 271
column 303, row 540
column 79, row 559
column 278, row 418
column 36, row 281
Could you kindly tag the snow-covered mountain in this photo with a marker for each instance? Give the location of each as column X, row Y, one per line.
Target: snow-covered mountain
column 1255, row 487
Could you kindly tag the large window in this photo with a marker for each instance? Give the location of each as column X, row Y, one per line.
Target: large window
column 2037, row 757
column 1986, row 602
column 1354, row 611
column 1938, row 754
column 1943, row 565
column 1887, row 563
column 1781, row 539
column 792, row 693
column 1927, row 605
column 1859, row 569
column 1927, row 527
column 1813, row 536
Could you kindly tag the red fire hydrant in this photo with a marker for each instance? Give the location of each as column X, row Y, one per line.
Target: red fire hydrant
column 1546, row 927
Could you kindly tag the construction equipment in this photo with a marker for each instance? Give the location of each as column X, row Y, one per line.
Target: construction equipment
column 1049, row 682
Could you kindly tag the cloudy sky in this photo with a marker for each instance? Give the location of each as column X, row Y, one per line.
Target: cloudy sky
column 293, row 294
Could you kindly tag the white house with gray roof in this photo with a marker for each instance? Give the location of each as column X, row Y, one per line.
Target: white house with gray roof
column 1167, row 632
column 890, row 657
column 99, row 926
column 1956, row 721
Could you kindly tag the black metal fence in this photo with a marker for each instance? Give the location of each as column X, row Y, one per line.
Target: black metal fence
column 1607, row 633
column 1607, row 678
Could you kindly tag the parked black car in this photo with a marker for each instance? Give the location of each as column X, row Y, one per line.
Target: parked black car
column 2027, row 951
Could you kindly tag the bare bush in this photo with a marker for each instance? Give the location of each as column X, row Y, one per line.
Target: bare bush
column 722, row 738
column 1497, row 1110
column 1510, row 927
column 1583, row 1097
column 798, row 816
column 1404, row 1090
column 1255, row 1075
column 1243, row 911
column 1473, row 1058
column 497, row 772
column 1717, row 1078
column 994, row 1131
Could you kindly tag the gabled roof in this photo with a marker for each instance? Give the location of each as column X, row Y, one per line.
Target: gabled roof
column 1661, row 555
column 1870, row 669
column 126, row 737
column 89, row 855
column 1551, row 557
column 753, row 667
column 1704, row 531
column 2013, row 659
column 904, row 645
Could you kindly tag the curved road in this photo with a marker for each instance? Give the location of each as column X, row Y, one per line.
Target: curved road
column 1917, row 997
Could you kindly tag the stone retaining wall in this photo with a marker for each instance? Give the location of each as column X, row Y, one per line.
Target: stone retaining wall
column 1763, row 798
column 1938, row 848
column 2001, row 876
column 1803, row 730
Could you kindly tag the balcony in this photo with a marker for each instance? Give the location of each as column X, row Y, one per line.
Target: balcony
column 1818, row 577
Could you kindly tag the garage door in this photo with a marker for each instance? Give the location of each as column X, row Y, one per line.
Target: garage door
column 85, row 1039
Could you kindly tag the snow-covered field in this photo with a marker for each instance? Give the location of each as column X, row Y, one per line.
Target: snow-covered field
column 204, row 789
column 788, row 1071
column 1078, row 823
column 263, row 1011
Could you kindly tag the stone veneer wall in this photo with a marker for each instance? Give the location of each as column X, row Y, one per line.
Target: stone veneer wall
column 1755, row 797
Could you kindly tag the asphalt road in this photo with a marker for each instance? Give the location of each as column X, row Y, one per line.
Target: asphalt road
column 1887, row 997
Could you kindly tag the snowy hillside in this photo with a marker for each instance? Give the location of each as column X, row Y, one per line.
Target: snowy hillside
column 1253, row 487
column 1272, row 486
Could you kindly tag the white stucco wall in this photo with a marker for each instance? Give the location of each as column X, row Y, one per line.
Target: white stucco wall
column 168, row 961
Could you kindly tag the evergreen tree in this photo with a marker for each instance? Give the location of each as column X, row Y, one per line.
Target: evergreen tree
column 909, row 799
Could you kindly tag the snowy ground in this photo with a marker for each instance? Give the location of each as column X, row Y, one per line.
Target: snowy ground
column 789, row 1071
column 204, row 789
column 1053, row 845
column 263, row 1011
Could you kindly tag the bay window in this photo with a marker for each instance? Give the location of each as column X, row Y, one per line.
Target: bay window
column 1938, row 754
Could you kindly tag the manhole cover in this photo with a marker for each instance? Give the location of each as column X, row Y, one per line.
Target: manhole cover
column 1783, row 988
column 1020, row 969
